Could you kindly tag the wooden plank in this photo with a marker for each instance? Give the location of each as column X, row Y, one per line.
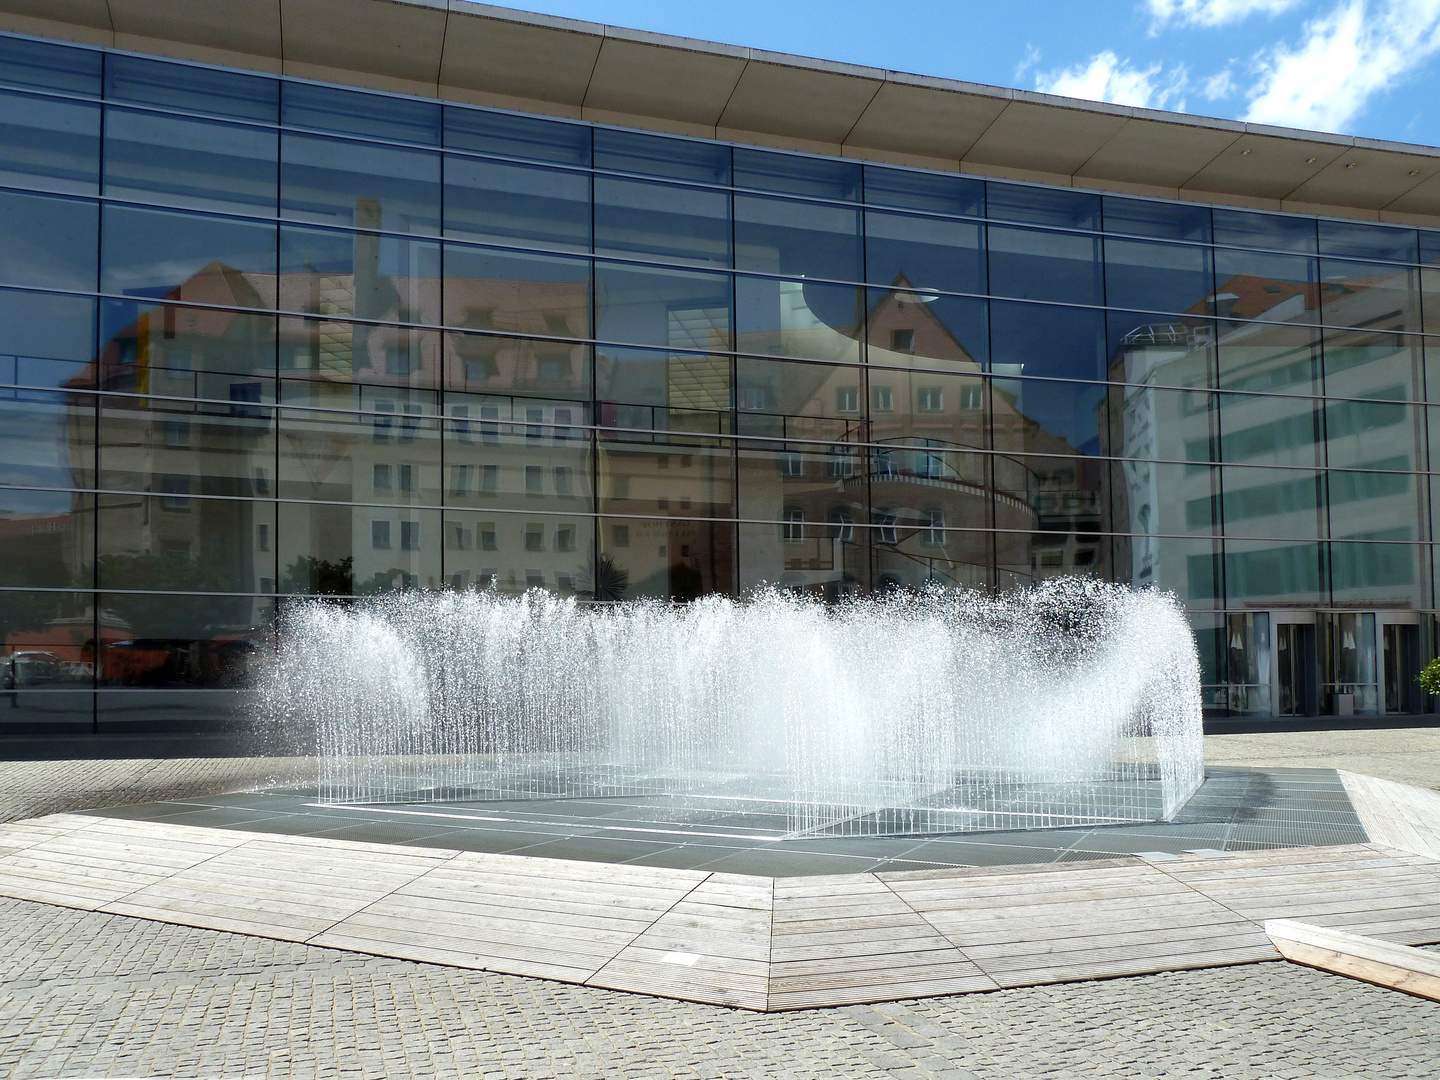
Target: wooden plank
column 1396, row 815
column 1396, row 967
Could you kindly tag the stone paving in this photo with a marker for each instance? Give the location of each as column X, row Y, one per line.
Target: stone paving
column 85, row 994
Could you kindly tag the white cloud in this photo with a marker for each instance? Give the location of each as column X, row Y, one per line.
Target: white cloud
column 1344, row 59
column 1108, row 78
column 1030, row 60
column 1210, row 13
column 1219, row 86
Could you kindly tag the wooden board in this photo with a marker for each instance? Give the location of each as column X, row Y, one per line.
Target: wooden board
column 1396, row 815
column 1395, row 967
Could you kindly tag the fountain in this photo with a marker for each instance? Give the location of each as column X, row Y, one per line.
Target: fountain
column 1071, row 703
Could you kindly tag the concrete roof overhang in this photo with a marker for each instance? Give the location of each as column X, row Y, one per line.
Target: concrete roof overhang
column 463, row 51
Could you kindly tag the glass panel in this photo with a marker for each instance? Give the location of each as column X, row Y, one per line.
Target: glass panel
column 912, row 329
column 1165, row 425
column 513, row 552
column 662, row 220
column 925, row 553
column 1259, row 430
column 1378, row 504
column 821, row 178
column 776, row 397
column 359, row 275
column 1273, row 503
column 332, row 351
column 1360, row 432
column 798, row 318
column 1160, row 498
column 923, row 253
column 212, row 699
column 1035, row 265
column 184, row 450
column 189, row 162
column 187, row 257
column 338, row 182
column 1040, row 416
column 667, row 308
column 338, row 549
column 1043, row 206
column 491, row 364
column 666, row 474
column 1056, row 342
column 354, row 112
column 658, row 155
column 46, row 340
column 1268, row 358
column 1358, row 240
column 1370, row 295
column 526, row 456
column 1278, row 288
column 1429, row 245
column 1187, row 566
column 828, row 558
column 1157, row 277
column 1052, row 494
column 1285, row 572
column 48, row 243
column 777, row 236
column 1372, row 365
column 1348, row 648
column 1278, row 232
column 331, row 455
column 173, row 543
column 525, row 294
column 936, row 193
column 49, row 647
column 517, row 204
column 190, row 87
column 927, row 409
column 669, row 558
column 48, row 144
column 45, row 66
column 658, row 390
column 189, row 352
column 1160, row 350
column 509, row 135
column 46, row 440
column 824, row 482
column 1158, row 220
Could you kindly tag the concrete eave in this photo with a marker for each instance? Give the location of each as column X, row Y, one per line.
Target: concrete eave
column 470, row 52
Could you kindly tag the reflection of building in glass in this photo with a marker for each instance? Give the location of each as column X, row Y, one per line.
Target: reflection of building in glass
column 263, row 339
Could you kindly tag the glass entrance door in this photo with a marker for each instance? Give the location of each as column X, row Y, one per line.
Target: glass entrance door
column 1295, row 660
column 1402, row 659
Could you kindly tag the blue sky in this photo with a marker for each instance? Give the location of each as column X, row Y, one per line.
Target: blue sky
column 1360, row 67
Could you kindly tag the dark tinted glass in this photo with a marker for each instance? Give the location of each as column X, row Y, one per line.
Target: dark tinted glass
column 668, row 308
column 1042, row 206
column 1157, row 277
column 153, row 253
column 44, row 545
column 778, row 236
column 1038, row 416
column 1157, row 220
column 1279, row 232
column 658, row 155
column 48, row 243
column 354, row 112
column 924, row 253
column 665, row 221
column 821, row 178
column 339, row 182
column 1038, row 265
column 517, row 294
column 517, row 204
column 936, row 193
column 1358, row 240
column 1038, row 340
column 1273, row 503
column 1278, row 288
column 1373, row 295
column 1379, row 568
column 49, row 144
column 1360, row 433
column 190, row 162
column 44, row 66
column 1161, row 425
column 1429, row 246
column 509, row 135
column 905, row 329
column 174, row 542
column 805, row 319
column 199, row 89
column 360, row 275
column 46, row 339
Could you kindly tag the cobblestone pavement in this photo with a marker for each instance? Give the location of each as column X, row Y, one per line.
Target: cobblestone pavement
column 83, row 994
column 1405, row 755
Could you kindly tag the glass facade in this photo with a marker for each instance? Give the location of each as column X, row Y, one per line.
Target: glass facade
column 262, row 338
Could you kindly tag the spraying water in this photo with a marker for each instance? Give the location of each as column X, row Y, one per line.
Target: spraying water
column 1075, row 702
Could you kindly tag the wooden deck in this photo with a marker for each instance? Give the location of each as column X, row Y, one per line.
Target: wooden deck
column 749, row 942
